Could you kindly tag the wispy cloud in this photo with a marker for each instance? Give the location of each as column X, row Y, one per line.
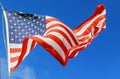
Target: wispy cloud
column 24, row 72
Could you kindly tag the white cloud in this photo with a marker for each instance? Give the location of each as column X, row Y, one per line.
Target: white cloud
column 23, row 72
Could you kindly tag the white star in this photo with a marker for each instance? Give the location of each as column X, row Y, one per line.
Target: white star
column 16, row 36
column 39, row 17
column 34, row 20
column 14, row 24
column 12, row 33
column 20, row 40
column 37, row 22
column 9, row 14
column 18, row 27
column 28, row 22
column 19, row 33
column 30, row 35
column 22, row 24
column 12, row 39
column 43, row 31
column 40, row 24
column 35, row 27
column 18, row 20
column 24, row 19
column 20, row 17
column 29, row 29
column 23, row 30
column 11, row 27
column 23, row 36
column 35, row 32
column 10, row 20
column 15, row 30
column 35, row 14
column 32, row 31
column 26, row 26
column 38, row 28
column 15, row 13
column 26, row 33
column 32, row 25
column 30, row 18
column 43, row 25
column 42, row 19
column 21, row 12
column 13, row 18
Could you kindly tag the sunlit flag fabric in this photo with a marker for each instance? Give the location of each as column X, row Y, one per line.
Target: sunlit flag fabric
column 24, row 31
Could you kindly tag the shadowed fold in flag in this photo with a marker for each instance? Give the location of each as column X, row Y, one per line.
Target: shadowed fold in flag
column 24, row 31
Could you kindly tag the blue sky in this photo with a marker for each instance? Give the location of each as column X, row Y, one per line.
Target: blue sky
column 101, row 60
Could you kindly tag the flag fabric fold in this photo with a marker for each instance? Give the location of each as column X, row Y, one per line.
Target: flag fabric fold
column 24, row 31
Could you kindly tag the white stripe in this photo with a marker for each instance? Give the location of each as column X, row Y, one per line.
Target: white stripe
column 12, row 55
column 54, row 22
column 13, row 64
column 100, row 23
column 87, row 25
column 58, row 35
column 104, row 27
column 58, row 22
column 29, row 44
column 86, row 41
column 15, row 45
column 82, row 37
column 76, row 54
column 100, row 27
column 63, row 30
column 48, row 17
column 71, row 51
column 53, row 44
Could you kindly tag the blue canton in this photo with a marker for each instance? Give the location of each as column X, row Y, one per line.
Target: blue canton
column 21, row 25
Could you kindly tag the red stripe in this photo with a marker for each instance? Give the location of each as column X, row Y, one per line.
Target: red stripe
column 60, row 25
column 63, row 34
column 58, row 41
column 88, row 30
column 12, row 69
column 98, row 11
column 86, row 22
column 104, row 25
column 14, row 59
column 79, row 49
column 51, row 19
column 15, row 50
column 76, row 51
column 23, row 52
column 84, row 39
column 50, row 49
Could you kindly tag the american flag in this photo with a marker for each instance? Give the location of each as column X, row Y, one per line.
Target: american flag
column 27, row 30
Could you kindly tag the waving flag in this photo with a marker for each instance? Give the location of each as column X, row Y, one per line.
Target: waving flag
column 24, row 31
